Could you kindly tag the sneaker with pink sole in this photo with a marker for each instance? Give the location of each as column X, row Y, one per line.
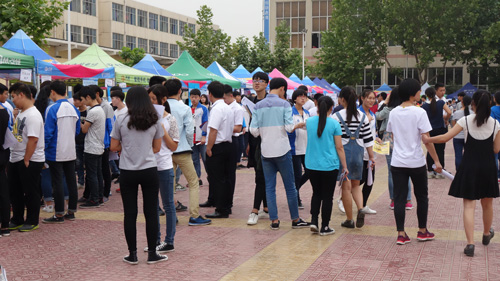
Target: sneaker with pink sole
column 391, row 206
column 425, row 236
column 409, row 206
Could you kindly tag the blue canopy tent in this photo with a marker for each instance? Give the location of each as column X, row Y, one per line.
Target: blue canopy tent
column 295, row 79
column 150, row 65
column 468, row 88
column 384, row 88
column 21, row 43
column 325, row 85
column 257, row 70
column 216, row 68
column 335, row 86
column 241, row 73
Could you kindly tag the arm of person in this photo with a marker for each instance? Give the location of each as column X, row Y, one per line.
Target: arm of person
column 432, row 151
column 371, row 156
column 448, row 112
column 86, row 126
column 340, row 151
column 115, row 145
column 254, row 124
column 496, row 144
column 156, row 145
column 171, row 144
column 30, row 149
column 289, row 126
column 188, row 126
column 50, row 126
column 211, row 141
column 237, row 129
column 426, row 139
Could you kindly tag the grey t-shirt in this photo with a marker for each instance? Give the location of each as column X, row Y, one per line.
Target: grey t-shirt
column 94, row 139
column 137, row 146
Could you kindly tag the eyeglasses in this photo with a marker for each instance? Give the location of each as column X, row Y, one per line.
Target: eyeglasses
column 259, row 81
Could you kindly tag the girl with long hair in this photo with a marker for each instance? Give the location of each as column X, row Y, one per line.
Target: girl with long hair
column 138, row 136
column 324, row 153
column 476, row 178
column 356, row 135
column 459, row 140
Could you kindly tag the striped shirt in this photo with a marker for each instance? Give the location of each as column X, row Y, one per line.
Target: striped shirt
column 365, row 134
column 271, row 120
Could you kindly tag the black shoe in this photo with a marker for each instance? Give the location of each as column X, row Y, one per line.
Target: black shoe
column 165, row 248
column 360, row 219
column 469, row 250
column 275, row 225
column 314, row 228
column 487, row 238
column 117, row 180
column 90, row 205
column 54, row 219
column 348, row 224
column 300, row 224
column 82, row 200
column 13, row 226
column 180, row 207
column 161, row 213
column 153, row 257
column 207, row 204
column 114, row 176
column 230, row 211
column 200, row 182
column 70, row 217
column 131, row 258
column 217, row 215
column 5, row 232
column 326, row 230
column 301, row 206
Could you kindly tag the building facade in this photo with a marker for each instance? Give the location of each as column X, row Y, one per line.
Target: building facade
column 114, row 24
column 307, row 19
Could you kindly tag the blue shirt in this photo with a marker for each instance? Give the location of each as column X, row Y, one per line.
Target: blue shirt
column 62, row 123
column 321, row 154
column 436, row 117
column 184, row 118
column 495, row 112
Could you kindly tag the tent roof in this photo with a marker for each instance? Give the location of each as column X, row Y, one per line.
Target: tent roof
column 335, row 86
column 94, row 57
column 21, row 43
column 216, row 68
column 257, row 70
column 241, row 72
column 295, row 79
column 468, row 88
column 324, row 84
column 150, row 65
column 277, row 74
column 73, row 71
column 384, row 88
column 187, row 68
column 13, row 60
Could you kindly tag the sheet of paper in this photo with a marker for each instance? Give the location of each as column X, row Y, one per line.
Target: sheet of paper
column 25, row 75
column 445, row 173
column 160, row 109
column 248, row 104
column 10, row 140
column 369, row 180
column 382, row 148
column 109, row 82
column 45, row 78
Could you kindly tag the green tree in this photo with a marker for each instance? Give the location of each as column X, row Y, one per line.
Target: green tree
column 281, row 50
column 35, row 17
column 131, row 57
column 206, row 44
column 242, row 50
column 260, row 54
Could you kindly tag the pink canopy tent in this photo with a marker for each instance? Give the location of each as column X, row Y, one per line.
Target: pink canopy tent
column 291, row 85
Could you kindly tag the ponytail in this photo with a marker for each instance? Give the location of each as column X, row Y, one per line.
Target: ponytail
column 481, row 99
column 431, row 94
column 349, row 95
column 324, row 104
column 466, row 101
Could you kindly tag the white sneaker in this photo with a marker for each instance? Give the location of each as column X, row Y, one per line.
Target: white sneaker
column 253, row 218
column 367, row 210
column 431, row 175
column 80, row 186
column 341, row 205
column 439, row 176
column 48, row 209
column 263, row 215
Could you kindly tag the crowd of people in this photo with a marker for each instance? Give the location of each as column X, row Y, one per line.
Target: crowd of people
column 149, row 136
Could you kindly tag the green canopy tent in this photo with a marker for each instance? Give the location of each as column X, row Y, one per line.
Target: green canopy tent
column 94, row 57
column 12, row 60
column 188, row 69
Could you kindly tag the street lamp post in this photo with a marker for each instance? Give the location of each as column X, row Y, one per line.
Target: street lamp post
column 304, row 31
column 69, row 30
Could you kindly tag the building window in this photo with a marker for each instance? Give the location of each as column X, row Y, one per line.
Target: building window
column 153, row 47
column 76, row 33
column 142, row 43
column 174, row 51
column 173, row 26
column 394, row 78
column 76, row 6
column 182, row 26
column 130, row 14
column 131, row 42
column 294, row 14
column 164, row 49
column 89, row 36
column 153, row 21
column 117, row 41
column 449, row 76
column 89, row 7
column 117, row 12
column 142, row 18
column 321, row 15
column 192, row 27
column 163, row 24
column 371, row 78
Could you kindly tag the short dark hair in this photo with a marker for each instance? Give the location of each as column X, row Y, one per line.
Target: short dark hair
column 159, row 91
column 236, row 93
column 76, row 96
column 156, row 80
column 77, row 88
column 33, row 90
column 383, row 95
column 317, row 96
column 228, row 89
column 3, row 88
column 216, row 88
column 195, row 92
column 97, row 89
column 303, row 87
column 261, row 75
column 118, row 93
column 116, row 88
column 59, row 87
column 438, row 85
column 173, row 86
column 497, row 97
column 298, row 93
column 409, row 87
column 461, row 94
column 87, row 91
column 21, row 88
column 277, row 83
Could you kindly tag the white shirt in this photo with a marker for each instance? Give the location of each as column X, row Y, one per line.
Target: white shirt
column 407, row 125
column 119, row 112
column 221, row 118
column 238, row 115
column 29, row 123
column 164, row 156
column 308, row 105
column 8, row 106
column 479, row 133
column 313, row 111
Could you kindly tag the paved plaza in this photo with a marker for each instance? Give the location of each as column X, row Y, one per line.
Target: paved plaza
column 92, row 246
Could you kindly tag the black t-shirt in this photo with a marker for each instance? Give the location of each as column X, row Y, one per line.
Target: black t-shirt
column 80, row 138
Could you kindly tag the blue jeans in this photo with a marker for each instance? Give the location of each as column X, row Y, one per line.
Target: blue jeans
column 80, row 164
column 458, row 146
column 271, row 166
column 46, row 183
column 391, row 183
column 114, row 167
column 197, row 151
column 166, row 178
column 178, row 174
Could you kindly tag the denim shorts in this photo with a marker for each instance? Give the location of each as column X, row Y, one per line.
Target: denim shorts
column 354, row 159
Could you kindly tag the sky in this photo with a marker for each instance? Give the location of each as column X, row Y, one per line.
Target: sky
column 235, row 17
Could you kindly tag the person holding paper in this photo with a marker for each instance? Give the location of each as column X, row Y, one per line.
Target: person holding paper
column 200, row 115
column 476, row 178
column 324, row 153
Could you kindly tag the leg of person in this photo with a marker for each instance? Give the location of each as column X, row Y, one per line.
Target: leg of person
column 29, row 181
column 203, row 155
column 316, row 183
column 260, row 183
column 129, row 186
column 328, row 182
column 469, row 209
column 56, row 175
column 389, row 180
column 106, row 173
column 429, row 159
column 16, row 194
column 241, row 147
column 46, row 186
column 186, row 164
column 100, row 179
column 400, row 178
column 166, row 181
column 4, row 199
column 196, row 159
column 270, row 169
column 217, row 180
column 420, row 190
column 148, row 179
column 297, row 172
column 305, row 176
column 229, row 172
column 487, row 206
column 69, row 174
column 233, row 161
column 91, row 179
column 210, row 169
column 357, row 196
column 80, row 165
column 285, row 167
column 347, row 199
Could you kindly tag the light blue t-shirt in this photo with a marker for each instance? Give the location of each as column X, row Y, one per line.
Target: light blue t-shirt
column 321, row 154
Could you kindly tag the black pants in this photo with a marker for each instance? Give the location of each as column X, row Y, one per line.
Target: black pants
column 129, row 187
column 323, row 185
column 93, row 176
column 24, row 191
column 4, row 198
column 367, row 189
column 300, row 179
column 439, row 148
column 106, row 174
column 57, row 170
column 220, row 169
column 234, row 160
column 260, row 182
column 400, row 178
